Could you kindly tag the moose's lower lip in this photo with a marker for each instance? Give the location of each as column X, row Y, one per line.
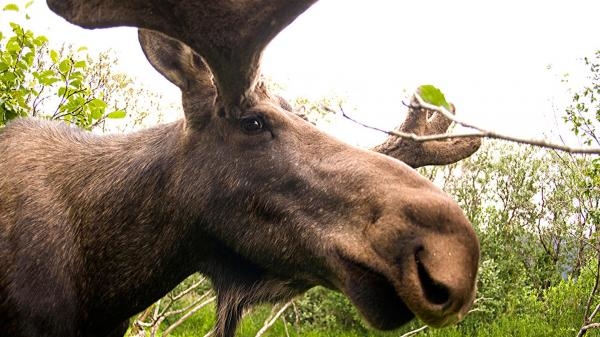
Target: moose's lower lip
column 374, row 296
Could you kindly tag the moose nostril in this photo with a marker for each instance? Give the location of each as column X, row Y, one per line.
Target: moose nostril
column 435, row 292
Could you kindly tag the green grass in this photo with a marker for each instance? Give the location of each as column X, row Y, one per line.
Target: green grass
column 502, row 327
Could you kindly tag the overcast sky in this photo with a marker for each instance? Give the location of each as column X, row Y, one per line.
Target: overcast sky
column 500, row 62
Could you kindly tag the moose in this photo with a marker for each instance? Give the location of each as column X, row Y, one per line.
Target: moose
column 93, row 229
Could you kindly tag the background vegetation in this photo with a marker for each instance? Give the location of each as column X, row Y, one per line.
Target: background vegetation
column 536, row 211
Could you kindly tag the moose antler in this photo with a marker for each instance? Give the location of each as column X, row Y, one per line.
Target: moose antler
column 230, row 35
column 233, row 56
column 424, row 122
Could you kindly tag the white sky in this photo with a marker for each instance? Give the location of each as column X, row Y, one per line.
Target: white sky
column 490, row 58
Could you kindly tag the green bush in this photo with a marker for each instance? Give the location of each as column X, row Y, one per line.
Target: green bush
column 324, row 309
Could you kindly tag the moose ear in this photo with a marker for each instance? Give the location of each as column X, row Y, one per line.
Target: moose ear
column 230, row 35
column 176, row 61
column 184, row 68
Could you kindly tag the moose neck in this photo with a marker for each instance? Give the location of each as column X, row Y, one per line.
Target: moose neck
column 147, row 210
column 138, row 239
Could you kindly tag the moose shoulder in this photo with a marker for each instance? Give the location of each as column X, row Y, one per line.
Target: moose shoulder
column 95, row 228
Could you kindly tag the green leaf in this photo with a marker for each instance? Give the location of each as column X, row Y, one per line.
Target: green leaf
column 54, row 55
column 48, row 81
column 47, row 73
column 16, row 28
column 13, row 45
column 433, row 95
column 62, row 91
column 65, row 66
column 11, row 7
column 8, row 77
column 29, row 58
column 22, row 65
column 40, row 40
column 97, row 103
column 75, row 84
column 80, row 64
column 97, row 113
column 117, row 114
column 77, row 75
column 29, row 3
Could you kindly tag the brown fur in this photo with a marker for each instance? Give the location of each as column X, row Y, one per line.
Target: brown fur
column 95, row 228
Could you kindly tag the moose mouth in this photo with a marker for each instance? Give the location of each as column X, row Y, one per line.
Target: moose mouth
column 375, row 296
column 383, row 306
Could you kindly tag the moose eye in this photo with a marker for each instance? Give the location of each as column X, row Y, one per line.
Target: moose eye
column 252, row 124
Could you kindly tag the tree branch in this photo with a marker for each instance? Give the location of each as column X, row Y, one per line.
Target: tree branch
column 187, row 307
column 425, row 123
column 491, row 134
column 587, row 327
column 479, row 133
column 272, row 318
column 187, row 315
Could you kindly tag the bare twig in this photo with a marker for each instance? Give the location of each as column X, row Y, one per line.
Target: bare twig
column 187, row 315
column 588, row 319
column 272, row 318
column 587, row 327
column 492, row 134
column 156, row 326
column 416, row 331
column 424, row 327
column 480, row 132
column 593, row 293
column 190, row 288
column 595, row 312
column 187, row 307
column 296, row 314
column 411, row 136
column 156, row 310
column 287, row 333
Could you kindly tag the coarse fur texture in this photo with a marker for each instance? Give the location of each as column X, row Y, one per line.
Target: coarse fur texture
column 95, row 228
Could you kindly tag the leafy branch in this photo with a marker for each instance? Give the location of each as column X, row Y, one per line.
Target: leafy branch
column 421, row 104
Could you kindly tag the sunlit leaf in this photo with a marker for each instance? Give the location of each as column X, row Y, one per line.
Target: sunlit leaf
column 40, row 40
column 48, row 81
column 8, row 77
column 13, row 45
column 75, row 83
column 97, row 113
column 65, row 66
column 97, row 103
column 11, row 7
column 29, row 58
column 433, row 95
column 117, row 114
column 54, row 55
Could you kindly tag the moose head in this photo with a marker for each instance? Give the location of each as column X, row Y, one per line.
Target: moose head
column 94, row 229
